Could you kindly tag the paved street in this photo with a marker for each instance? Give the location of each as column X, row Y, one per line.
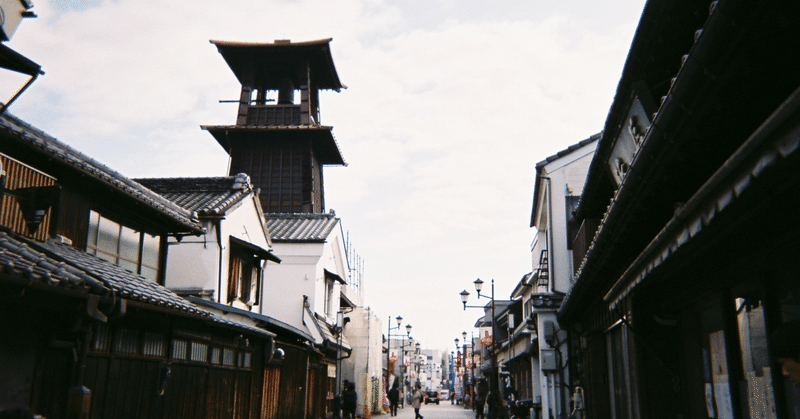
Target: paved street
column 432, row 411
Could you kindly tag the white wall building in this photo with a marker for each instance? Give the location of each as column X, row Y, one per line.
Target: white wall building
column 558, row 186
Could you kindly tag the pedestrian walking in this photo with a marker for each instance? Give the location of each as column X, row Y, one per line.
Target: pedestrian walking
column 349, row 401
column 480, row 399
column 416, row 401
column 394, row 398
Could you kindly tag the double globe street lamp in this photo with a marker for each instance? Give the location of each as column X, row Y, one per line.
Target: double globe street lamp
column 494, row 403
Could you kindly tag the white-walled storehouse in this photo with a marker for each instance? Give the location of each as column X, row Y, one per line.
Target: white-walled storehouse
column 558, row 186
column 314, row 270
column 225, row 265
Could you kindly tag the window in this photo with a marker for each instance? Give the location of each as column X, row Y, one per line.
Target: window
column 328, row 294
column 124, row 246
column 621, row 372
column 756, row 365
column 244, row 276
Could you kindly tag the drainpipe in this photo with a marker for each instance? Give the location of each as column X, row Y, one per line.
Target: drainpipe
column 219, row 274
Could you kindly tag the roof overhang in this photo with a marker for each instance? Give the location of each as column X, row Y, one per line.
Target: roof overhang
column 269, row 62
column 259, row 252
column 321, row 137
column 275, row 325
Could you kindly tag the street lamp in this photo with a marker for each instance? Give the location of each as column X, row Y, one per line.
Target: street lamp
column 399, row 320
column 493, row 384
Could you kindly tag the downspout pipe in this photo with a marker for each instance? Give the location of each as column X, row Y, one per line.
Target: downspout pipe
column 218, row 225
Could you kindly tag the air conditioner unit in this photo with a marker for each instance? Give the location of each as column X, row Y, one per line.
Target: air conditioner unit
column 11, row 13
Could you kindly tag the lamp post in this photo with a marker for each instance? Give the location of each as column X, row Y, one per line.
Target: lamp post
column 494, row 404
column 418, row 359
column 389, row 370
column 467, row 383
column 459, row 364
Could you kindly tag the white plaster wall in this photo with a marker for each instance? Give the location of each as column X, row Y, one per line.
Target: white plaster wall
column 333, row 260
column 567, row 176
column 286, row 283
column 196, row 262
column 245, row 223
column 364, row 334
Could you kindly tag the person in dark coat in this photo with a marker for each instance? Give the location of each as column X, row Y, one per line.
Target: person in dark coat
column 480, row 399
column 349, row 401
column 394, row 398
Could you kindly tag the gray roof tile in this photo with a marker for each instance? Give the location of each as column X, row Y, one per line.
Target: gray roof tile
column 301, row 227
column 125, row 283
column 14, row 129
column 20, row 261
column 204, row 195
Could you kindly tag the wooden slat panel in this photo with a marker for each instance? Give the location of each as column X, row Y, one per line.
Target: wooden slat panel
column 271, row 395
column 19, row 175
column 51, row 379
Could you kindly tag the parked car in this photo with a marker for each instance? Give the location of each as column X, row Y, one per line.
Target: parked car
column 444, row 395
column 431, row 397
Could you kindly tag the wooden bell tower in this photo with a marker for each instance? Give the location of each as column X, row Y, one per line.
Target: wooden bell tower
column 278, row 139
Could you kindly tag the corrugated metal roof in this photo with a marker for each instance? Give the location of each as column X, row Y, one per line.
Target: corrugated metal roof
column 206, row 196
column 14, row 129
column 301, row 227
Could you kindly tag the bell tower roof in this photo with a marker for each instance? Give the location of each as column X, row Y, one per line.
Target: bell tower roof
column 267, row 65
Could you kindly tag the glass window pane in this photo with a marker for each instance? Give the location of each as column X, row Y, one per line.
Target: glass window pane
column 129, row 249
column 149, row 273
column 150, row 248
column 179, row 349
column 127, row 341
column 108, row 240
column 91, row 240
column 199, row 351
column 155, row 344
column 227, row 357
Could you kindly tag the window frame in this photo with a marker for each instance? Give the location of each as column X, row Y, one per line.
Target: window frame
column 120, row 255
column 245, row 274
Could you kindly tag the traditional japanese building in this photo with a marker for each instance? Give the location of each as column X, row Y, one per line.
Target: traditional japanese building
column 280, row 143
column 687, row 257
column 278, row 140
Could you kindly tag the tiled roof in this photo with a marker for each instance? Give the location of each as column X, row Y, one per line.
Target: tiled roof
column 125, row 283
column 52, row 265
column 301, row 227
column 206, row 196
column 325, row 329
column 20, row 261
column 14, row 129
column 215, row 318
column 267, row 321
column 567, row 151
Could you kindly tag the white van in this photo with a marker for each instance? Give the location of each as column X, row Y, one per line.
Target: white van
column 444, row 394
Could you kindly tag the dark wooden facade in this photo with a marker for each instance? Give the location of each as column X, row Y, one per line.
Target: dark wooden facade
column 281, row 146
column 288, row 172
column 693, row 266
column 131, row 369
column 80, row 337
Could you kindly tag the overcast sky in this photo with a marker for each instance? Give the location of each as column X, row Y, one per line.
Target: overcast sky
column 449, row 106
